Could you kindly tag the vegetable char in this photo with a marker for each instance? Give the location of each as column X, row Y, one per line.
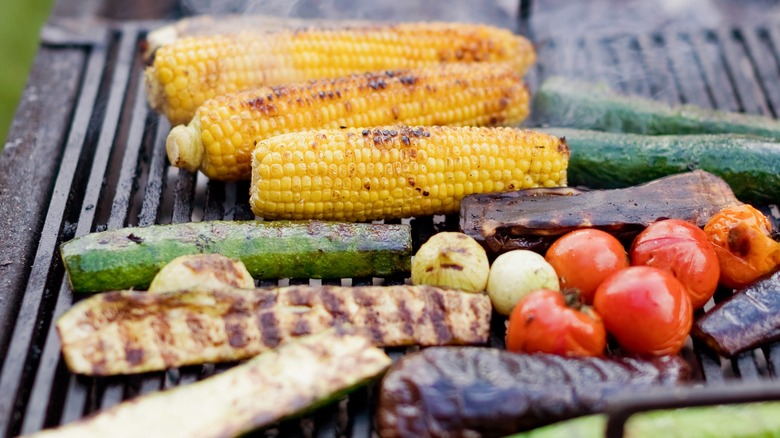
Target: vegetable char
column 747, row 319
column 471, row 391
column 131, row 332
column 533, row 219
column 202, row 271
column 293, row 379
column 220, row 139
column 131, row 257
column 362, row 174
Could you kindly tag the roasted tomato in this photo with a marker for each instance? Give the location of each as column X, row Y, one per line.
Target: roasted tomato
column 683, row 249
column 745, row 250
column 584, row 258
column 646, row 309
column 548, row 321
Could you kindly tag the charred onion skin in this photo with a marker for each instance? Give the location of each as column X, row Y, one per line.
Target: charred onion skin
column 473, row 391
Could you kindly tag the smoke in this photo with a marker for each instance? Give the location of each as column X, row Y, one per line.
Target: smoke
column 500, row 12
column 281, row 8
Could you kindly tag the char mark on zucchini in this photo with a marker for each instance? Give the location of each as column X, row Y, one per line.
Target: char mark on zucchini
column 295, row 378
column 130, row 332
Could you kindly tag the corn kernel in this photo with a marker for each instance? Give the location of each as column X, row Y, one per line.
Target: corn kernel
column 392, row 182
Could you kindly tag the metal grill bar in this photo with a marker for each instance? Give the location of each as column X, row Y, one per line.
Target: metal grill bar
column 13, row 371
column 35, row 418
column 121, row 145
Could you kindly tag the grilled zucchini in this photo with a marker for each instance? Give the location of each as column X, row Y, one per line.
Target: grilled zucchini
column 132, row 332
column 130, row 257
column 295, row 378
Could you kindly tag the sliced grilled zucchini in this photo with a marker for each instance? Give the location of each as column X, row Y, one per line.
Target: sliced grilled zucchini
column 295, row 378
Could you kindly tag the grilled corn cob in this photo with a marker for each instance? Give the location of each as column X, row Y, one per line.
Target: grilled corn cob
column 361, row 174
column 201, row 25
column 189, row 71
column 220, row 138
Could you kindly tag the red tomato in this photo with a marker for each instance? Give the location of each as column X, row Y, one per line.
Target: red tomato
column 584, row 258
column 542, row 322
column 646, row 309
column 683, row 249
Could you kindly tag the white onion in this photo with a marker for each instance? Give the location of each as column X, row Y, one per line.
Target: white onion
column 451, row 259
column 515, row 274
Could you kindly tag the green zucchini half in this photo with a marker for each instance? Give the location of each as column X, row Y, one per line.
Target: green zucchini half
column 130, row 257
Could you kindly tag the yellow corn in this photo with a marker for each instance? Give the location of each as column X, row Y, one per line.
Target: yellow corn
column 189, row 71
column 220, row 138
column 361, row 174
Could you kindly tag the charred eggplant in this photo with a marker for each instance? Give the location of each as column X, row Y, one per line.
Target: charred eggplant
column 747, row 319
column 533, row 219
column 472, row 391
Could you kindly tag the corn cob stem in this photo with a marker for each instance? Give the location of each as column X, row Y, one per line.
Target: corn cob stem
column 189, row 71
column 225, row 130
column 359, row 174
column 184, row 147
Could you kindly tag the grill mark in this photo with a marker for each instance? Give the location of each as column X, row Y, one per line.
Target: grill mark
column 197, row 330
column 334, row 304
column 125, row 337
column 112, row 297
column 299, row 296
column 436, row 311
column 235, row 332
column 267, row 300
column 364, row 298
column 476, row 320
column 162, row 329
column 223, row 268
column 302, row 326
column 134, row 355
column 406, row 318
column 98, row 359
column 373, row 326
column 164, row 339
column 268, row 325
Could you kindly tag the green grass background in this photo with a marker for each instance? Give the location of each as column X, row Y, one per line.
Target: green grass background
column 20, row 25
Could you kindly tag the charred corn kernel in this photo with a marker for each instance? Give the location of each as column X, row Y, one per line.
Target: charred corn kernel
column 361, row 174
column 225, row 130
column 190, row 70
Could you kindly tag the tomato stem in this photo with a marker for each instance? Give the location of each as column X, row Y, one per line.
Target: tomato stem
column 573, row 298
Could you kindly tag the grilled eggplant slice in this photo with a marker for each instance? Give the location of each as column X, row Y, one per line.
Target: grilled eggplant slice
column 533, row 219
column 131, row 332
column 472, row 391
column 298, row 376
column 746, row 320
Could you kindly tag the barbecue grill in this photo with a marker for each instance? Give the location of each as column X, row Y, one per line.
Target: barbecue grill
column 85, row 153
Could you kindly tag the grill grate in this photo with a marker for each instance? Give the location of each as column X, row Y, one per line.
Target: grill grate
column 113, row 173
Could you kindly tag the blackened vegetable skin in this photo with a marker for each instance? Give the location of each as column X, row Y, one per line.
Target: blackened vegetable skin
column 534, row 218
column 746, row 320
column 472, row 391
